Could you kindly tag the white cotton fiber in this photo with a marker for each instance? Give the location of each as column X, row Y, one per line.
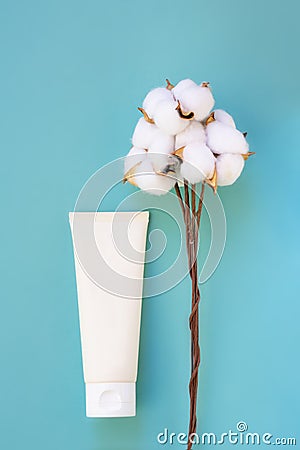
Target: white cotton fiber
column 224, row 139
column 166, row 117
column 198, row 163
column 197, row 99
column 162, row 143
column 148, row 181
column 154, row 97
column 159, row 150
column 158, row 161
column 222, row 116
column 229, row 168
column 193, row 133
column 182, row 86
column 143, row 134
column 134, row 156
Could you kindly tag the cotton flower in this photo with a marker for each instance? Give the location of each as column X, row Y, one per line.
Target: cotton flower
column 144, row 133
column 225, row 139
column 167, row 118
column 134, row 156
column 198, row 163
column 162, row 143
column 182, row 86
column 150, row 137
column 180, row 138
column 222, row 116
column 197, row 99
column 154, row 97
column 144, row 169
column 195, row 132
column 159, row 151
column 155, row 142
column 152, row 183
column 158, row 160
column 229, row 167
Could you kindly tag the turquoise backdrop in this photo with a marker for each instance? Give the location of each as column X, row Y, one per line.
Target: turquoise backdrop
column 72, row 74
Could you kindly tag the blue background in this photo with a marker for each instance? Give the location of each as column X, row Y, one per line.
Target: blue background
column 72, row 74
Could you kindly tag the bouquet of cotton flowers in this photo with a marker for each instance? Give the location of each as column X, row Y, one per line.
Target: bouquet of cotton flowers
column 180, row 141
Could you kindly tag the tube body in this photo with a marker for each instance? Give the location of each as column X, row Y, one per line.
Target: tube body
column 109, row 274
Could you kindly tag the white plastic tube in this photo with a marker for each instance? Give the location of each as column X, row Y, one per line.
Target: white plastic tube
column 109, row 250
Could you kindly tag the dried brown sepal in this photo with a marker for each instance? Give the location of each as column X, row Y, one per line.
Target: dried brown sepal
column 165, row 172
column 179, row 152
column 205, row 84
column 245, row 134
column 210, row 119
column 146, row 117
column 213, row 182
column 182, row 114
column 169, row 85
column 246, row 155
column 129, row 175
column 131, row 181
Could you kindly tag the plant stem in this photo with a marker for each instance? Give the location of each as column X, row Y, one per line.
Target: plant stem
column 192, row 224
column 177, row 190
column 187, row 220
column 199, row 210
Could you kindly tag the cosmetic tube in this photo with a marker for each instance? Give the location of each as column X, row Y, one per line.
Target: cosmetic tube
column 109, row 253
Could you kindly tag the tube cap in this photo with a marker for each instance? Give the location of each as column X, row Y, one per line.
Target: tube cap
column 110, row 399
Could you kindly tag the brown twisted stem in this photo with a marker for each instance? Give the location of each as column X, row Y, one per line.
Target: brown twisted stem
column 189, row 246
column 199, row 210
column 192, row 218
column 187, row 220
column 194, row 325
column 177, row 190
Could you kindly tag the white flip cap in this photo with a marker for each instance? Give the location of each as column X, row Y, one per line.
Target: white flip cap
column 110, row 399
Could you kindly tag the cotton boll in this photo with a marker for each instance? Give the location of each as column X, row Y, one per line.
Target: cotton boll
column 166, row 117
column 198, row 163
column 197, row 99
column 162, row 143
column 143, row 134
column 222, row 116
column 154, row 97
column 148, row 181
column 158, row 160
column 224, row 139
column 229, row 168
column 182, row 86
column 193, row 133
column 133, row 157
column 159, row 150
